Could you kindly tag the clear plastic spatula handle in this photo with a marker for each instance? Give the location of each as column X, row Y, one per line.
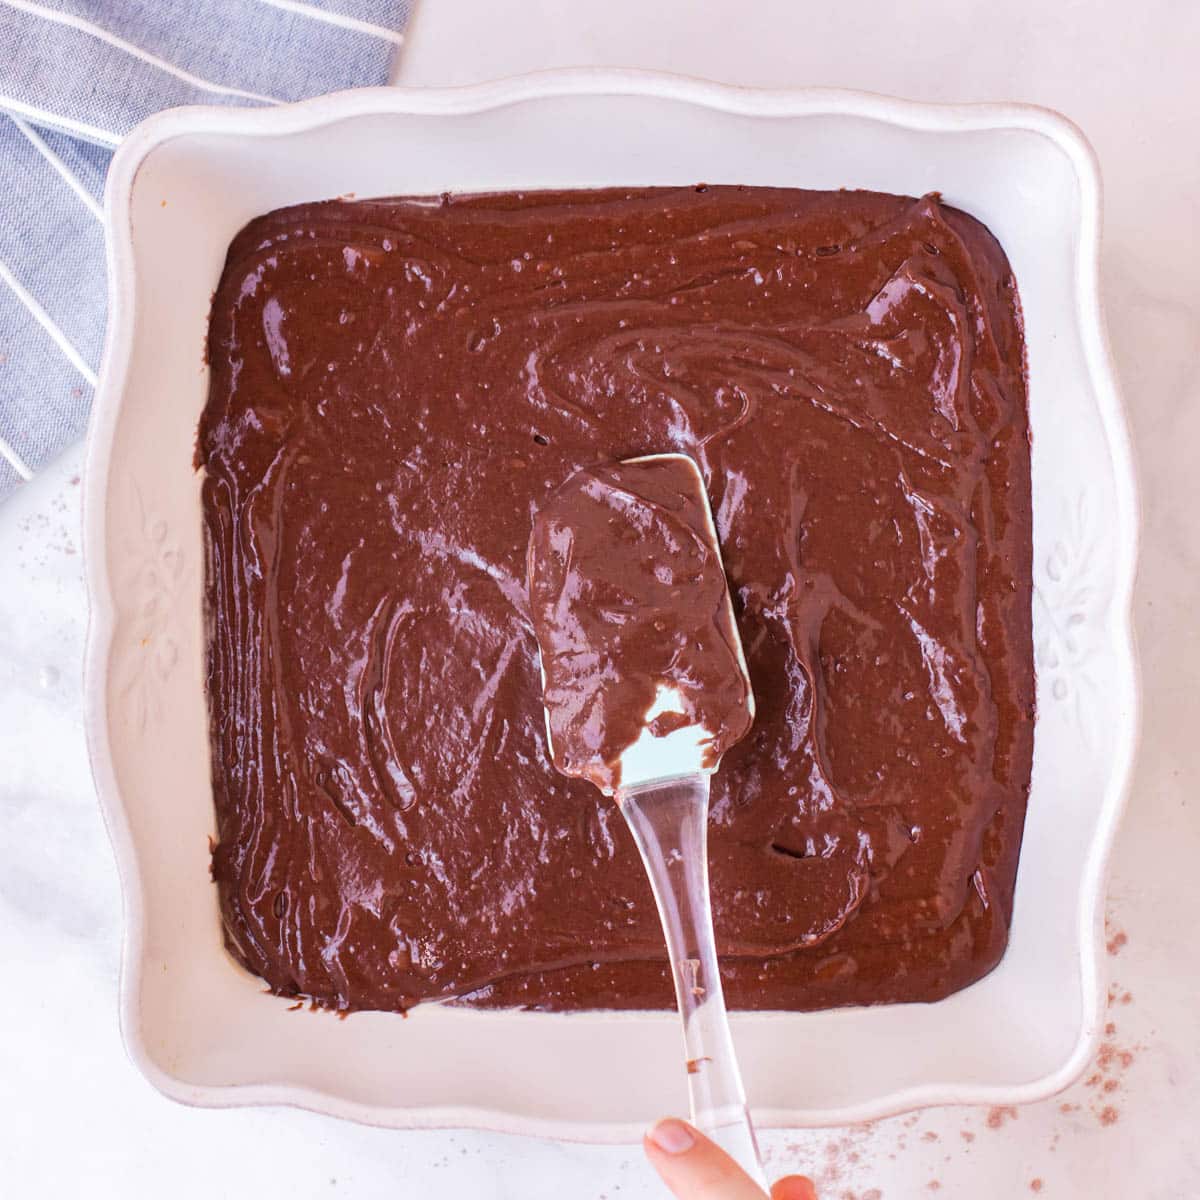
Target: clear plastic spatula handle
column 669, row 822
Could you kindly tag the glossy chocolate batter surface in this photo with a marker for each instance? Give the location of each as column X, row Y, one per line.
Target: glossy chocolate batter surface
column 398, row 385
column 634, row 624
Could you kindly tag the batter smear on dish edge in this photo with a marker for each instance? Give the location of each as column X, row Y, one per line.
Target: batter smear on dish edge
column 396, row 387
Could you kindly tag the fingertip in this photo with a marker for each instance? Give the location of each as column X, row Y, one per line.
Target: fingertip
column 794, row 1187
column 670, row 1136
column 694, row 1167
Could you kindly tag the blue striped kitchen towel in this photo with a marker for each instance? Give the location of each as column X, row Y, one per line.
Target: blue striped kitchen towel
column 75, row 77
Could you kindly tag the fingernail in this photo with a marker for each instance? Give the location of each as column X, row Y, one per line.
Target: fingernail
column 672, row 1136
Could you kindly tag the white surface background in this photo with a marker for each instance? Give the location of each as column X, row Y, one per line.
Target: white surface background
column 76, row 1119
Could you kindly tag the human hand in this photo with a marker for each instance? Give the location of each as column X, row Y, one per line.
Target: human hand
column 696, row 1169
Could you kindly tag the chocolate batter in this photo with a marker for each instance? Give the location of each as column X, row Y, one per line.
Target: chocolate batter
column 398, row 386
column 628, row 596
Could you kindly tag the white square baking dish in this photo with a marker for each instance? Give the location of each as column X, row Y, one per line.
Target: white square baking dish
column 200, row 1027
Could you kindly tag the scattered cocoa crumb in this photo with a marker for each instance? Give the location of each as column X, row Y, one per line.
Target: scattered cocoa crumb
column 967, row 1135
column 1112, row 1060
column 1127, row 998
column 1109, row 1054
column 998, row 1115
column 929, row 1136
column 831, row 1171
column 1115, row 942
column 1068, row 1108
column 1035, row 1185
column 934, row 1185
column 294, row 1007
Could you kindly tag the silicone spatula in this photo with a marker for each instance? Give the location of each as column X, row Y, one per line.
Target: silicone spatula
column 629, row 600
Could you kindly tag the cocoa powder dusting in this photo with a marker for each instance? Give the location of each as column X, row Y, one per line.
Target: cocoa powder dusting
column 1116, row 939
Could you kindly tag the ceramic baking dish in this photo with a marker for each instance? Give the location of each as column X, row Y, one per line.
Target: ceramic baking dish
column 201, row 1028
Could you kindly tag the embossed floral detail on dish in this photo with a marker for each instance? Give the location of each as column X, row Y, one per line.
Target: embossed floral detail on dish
column 153, row 572
column 1067, row 588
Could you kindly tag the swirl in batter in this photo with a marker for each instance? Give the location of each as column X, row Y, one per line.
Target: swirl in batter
column 397, row 386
